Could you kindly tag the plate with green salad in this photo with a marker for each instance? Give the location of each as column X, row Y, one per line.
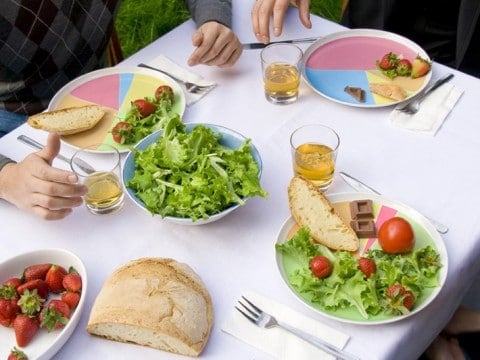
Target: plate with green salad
column 347, row 294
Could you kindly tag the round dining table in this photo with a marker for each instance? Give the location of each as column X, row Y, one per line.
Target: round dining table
column 435, row 175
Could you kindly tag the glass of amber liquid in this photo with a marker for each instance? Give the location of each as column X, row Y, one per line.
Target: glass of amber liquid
column 99, row 168
column 281, row 72
column 314, row 152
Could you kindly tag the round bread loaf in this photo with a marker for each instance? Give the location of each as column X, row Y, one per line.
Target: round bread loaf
column 154, row 302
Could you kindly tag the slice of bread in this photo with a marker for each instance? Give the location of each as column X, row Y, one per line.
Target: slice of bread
column 154, row 302
column 390, row 91
column 68, row 121
column 310, row 208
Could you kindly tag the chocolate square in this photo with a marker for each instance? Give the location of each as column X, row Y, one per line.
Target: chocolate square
column 364, row 228
column 361, row 209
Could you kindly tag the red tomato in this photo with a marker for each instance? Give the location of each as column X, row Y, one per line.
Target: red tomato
column 320, row 266
column 144, row 107
column 396, row 236
column 164, row 91
column 121, row 132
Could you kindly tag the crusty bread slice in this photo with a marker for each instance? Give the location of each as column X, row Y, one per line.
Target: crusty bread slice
column 310, row 208
column 154, row 302
column 390, row 91
column 68, row 121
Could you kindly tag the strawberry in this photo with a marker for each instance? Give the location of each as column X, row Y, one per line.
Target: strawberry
column 15, row 282
column 404, row 67
column 8, row 291
column 367, row 266
column 55, row 315
column 388, row 61
column 420, row 67
column 8, row 311
column 320, row 266
column 54, row 278
column 400, row 300
column 72, row 282
column 37, row 271
column 30, row 302
column 25, row 328
column 71, row 298
column 16, row 354
column 39, row 284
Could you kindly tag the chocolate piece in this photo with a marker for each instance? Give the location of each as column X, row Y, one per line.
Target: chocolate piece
column 356, row 92
column 361, row 209
column 364, row 228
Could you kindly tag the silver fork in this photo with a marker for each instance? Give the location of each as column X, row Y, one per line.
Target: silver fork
column 190, row 86
column 265, row 320
column 413, row 106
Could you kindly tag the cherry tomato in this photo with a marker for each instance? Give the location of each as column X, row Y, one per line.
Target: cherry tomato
column 164, row 91
column 320, row 266
column 396, row 236
column 144, row 107
column 121, row 132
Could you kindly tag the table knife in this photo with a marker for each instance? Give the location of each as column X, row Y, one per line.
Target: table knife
column 258, row 45
column 35, row 144
column 362, row 187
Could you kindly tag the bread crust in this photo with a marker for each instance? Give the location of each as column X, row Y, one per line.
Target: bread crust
column 69, row 120
column 155, row 302
column 390, row 91
column 310, row 208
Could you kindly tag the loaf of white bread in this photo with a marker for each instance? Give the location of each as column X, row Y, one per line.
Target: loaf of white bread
column 155, row 302
column 68, row 121
column 310, row 208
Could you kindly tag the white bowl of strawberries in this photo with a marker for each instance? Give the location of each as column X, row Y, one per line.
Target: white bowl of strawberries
column 42, row 296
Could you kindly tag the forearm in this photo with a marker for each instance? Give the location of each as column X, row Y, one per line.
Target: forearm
column 203, row 11
column 4, row 161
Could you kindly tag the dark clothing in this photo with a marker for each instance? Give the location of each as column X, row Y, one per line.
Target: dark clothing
column 447, row 30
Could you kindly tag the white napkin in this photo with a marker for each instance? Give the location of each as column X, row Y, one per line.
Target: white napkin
column 164, row 63
column 434, row 109
column 278, row 342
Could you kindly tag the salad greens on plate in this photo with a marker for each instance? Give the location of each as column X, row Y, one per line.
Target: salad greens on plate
column 191, row 175
column 347, row 290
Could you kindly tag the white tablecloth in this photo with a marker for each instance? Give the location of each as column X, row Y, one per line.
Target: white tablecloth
column 437, row 176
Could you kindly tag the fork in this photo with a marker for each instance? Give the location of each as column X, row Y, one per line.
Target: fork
column 413, row 106
column 267, row 321
column 190, row 86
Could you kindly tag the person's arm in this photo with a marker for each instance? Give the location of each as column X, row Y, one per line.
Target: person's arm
column 35, row 186
column 215, row 42
column 4, row 161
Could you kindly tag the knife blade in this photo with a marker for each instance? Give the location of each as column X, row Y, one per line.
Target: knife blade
column 362, row 187
column 35, row 144
column 258, row 45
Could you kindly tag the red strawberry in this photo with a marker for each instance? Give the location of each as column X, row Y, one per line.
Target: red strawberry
column 71, row 298
column 15, row 282
column 54, row 278
column 17, row 354
column 144, row 107
column 367, row 266
column 30, row 302
column 8, row 291
column 400, row 299
column 25, row 328
column 320, row 266
column 420, row 67
column 40, row 285
column 37, row 271
column 388, row 61
column 404, row 67
column 8, row 311
column 55, row 315
column 72, row 282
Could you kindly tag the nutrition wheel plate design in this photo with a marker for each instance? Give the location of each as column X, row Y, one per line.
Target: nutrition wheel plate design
column 383, row 209
column 348, row 58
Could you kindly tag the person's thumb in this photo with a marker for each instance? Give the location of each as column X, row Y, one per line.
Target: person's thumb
column 51, row 149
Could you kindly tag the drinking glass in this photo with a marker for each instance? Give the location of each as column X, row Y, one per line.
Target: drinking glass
column 281, row 72
column 100, row 171
column 314, row 152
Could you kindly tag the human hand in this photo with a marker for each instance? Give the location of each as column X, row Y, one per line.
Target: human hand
column 263, row 10
column 37, row 187
column 216, row 45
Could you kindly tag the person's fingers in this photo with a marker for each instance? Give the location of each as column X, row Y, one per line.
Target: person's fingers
column 197, row 38
column 304, row 13
column 456, row 350
column 279, row 11
column 51, row 149
column 47, row 214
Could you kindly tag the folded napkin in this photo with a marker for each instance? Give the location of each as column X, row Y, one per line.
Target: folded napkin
column 278, row 342
column 164, row 63
column 434, row 109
